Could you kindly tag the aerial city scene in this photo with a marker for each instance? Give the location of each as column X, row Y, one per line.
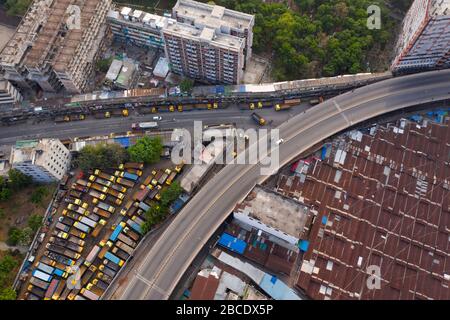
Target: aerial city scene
column 231, row 150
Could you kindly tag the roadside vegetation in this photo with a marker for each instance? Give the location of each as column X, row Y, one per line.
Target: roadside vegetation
column 147, row 150
column 101, row 156
column 16, row 7
column 318, row 38
column 159, row 212
column 8, row 269
column 22, row 206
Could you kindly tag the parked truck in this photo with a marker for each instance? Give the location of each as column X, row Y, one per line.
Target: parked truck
column 51, row 289
column 98, row 228
column 106, row 207
column 125, row 182
column 258, row 119
column 132, row 234
column 119, row 188
column 102, row 213
column 118, row 229
column 140, row 195
column 39, row 283
column 105, row 176
column 59, row 258
column 97, row 195
column 121, row 254
column 41, row 275
column 92, row 255
column 36, row 291
column 113, row 258
column 130, row 176
column 82, row 182
column 89, row 294
column 89, row 222
column 77, row 233
column 61, row 250
column 99, row 187
column 59, row 290
column 108, row 271
column 132, row 165
column 171, row 177
column 117, row 194
column 124, row 247
column 82, row 227
column 164, row 176
column 127, row 240
column 101, row 181
column 62, row 227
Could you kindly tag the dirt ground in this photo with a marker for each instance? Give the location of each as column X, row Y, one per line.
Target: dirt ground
column 19, row 207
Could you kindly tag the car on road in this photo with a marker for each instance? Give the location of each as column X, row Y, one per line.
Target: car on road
column 158, row 118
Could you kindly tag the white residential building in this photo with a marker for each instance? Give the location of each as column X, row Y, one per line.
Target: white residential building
column 45, row 160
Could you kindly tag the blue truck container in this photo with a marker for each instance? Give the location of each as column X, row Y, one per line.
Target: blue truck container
column 113, row 258
column 134, row 226
column 41, row 275
column 59, row 272
column 130, row 176
column 116, row 232
column 45, row 268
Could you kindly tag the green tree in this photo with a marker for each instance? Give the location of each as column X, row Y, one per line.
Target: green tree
column 15, row 236
column 17, row 7
column 102, row 65
column 8, row 293
column 101, row 156
column 186, row 85
column 35, row 222
column 146, row 150
column 170, row 194
column 7, row 264
column 2, row 214
column 5, row 192
column 18, row 180
column 26, row 236
column 38, row 195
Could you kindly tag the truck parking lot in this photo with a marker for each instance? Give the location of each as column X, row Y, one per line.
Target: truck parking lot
column 95, row 231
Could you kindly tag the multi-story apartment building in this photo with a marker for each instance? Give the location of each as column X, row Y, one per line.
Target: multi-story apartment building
column 204, row 42
column 44, row 160
column 204, row 54
column 8, row 93
column 224, row 21
column 424, row 42
column 138, row 27
column 56, row 44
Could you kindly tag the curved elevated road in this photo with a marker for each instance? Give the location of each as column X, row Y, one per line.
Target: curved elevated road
column 174, row 251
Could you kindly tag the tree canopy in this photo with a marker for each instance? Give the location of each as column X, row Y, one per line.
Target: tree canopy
column 146, row 150
column 17, row 7
column 320, row 38
column 101, row 156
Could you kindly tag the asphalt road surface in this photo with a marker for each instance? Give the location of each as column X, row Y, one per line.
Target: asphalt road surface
column 94, row 127
column 169, row 257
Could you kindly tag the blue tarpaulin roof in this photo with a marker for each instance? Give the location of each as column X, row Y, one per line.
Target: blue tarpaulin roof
column 124, row 141
column 232, row 243
column 303, row 245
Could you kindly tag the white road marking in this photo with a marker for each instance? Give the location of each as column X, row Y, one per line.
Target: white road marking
column 342, row 113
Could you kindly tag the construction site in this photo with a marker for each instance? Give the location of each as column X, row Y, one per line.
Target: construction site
column 55, row 46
